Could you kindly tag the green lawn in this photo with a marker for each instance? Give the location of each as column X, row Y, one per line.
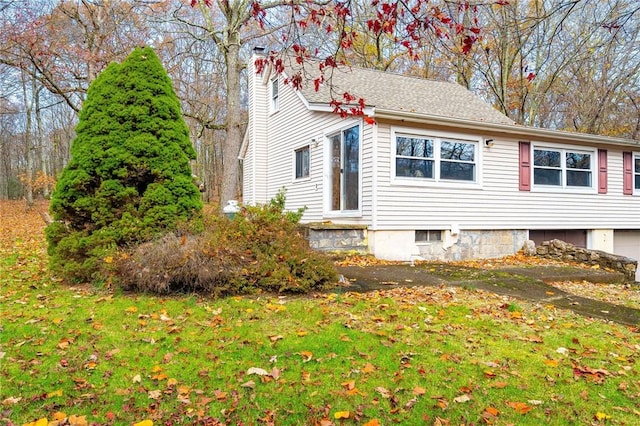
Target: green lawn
column 432, row 356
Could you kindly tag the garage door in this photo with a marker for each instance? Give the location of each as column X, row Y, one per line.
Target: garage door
column 627, row 243
column 577, row 237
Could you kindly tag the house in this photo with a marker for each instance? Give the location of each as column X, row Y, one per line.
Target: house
column 439, row 175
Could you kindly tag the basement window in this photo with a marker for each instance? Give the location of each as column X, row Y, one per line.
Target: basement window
column 428, row 236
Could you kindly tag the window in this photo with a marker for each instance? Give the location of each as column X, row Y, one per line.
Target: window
column 428, row 236
column 275, row 105
column 563, row 168
column 302, row 162
column 435, row 158
column 344, row 170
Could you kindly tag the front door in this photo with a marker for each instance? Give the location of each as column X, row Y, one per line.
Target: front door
column 344, row 148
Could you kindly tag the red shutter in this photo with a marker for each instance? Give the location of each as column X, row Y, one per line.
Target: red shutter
column 525, row 166
column 627, row 173
column 602, row 171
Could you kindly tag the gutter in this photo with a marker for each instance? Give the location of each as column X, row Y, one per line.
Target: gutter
column 510, row 129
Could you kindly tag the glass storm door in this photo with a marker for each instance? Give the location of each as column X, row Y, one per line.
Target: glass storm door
column 345, row 169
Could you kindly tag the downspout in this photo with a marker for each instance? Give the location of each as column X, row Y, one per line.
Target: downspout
column 374, row 180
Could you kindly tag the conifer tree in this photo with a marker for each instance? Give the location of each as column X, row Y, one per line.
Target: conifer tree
column 129, row 178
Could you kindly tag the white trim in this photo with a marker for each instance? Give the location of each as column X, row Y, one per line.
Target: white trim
column 245, row 145
column 563, row 188
column 267, row 71
column 635, row 156
column 436, row 181
column 327, row 187
column 322, row 107
column 374, row 178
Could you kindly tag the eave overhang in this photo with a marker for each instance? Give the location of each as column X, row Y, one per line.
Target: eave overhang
column 512, row 130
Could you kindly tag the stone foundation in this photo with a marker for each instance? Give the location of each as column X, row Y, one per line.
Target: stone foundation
column 474, row 244
column 560, row 250
column 337, row 237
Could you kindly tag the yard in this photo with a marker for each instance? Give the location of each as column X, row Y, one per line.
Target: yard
column 436, row 356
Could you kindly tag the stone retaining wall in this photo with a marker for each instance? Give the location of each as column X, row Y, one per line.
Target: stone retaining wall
column 560, row 250
column 337, row 237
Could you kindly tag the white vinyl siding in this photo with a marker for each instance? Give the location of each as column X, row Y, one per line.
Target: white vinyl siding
column 497, row 203
column 296, row 126
column 492, row 202
column 254, row 169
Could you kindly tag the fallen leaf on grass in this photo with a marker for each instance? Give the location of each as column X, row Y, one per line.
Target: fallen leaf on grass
column 441, row 422
column 11, row 400
column 491, row 412
column 499, row 385
column 520, row 407
column 77, row 420
column 54, row 393
column 258, row 371
column 462, row 398
column 441, row 403
column 342, row 415
column 409, row 405
column 39, row 422
column 368, row 368
column 220, row 395
column 419, row 391
column 59, row 416
column 597, row 374
column 351, row 384
column 144, row 423
column 385, row 393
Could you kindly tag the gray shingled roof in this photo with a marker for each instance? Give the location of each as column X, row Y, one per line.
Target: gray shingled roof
column 398, row 93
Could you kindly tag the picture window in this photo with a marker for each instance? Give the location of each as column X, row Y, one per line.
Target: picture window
column 435, row 158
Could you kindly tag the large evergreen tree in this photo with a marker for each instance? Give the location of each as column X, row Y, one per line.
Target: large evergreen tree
column 129, row 178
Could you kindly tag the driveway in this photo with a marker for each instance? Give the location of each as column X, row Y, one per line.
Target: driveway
column 527, row 283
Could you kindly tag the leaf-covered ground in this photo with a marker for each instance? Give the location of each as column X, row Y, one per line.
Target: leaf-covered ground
column 435, row 356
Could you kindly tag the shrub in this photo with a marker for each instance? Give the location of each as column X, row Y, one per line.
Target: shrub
column 129, row 177
column 261, row 249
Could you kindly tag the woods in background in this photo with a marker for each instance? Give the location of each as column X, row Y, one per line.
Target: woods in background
column 560, row 64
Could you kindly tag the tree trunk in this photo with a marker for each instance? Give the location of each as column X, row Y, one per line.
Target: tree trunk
column 28, row 145
column 41, row 146
column 231, row 146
